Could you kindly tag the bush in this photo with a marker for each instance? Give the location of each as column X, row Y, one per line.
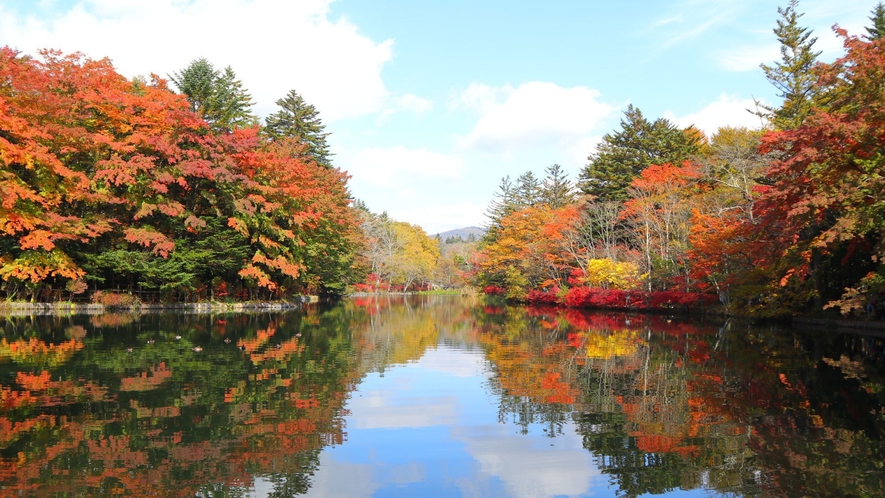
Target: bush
column 111, row 299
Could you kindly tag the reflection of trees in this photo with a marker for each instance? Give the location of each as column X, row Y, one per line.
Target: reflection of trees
column 175, row 416
column 396, row 329
column 664, row 404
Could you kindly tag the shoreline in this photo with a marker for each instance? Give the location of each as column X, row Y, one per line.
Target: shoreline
column 20, row 309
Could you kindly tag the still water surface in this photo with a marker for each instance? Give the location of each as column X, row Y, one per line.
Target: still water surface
column 435, row 396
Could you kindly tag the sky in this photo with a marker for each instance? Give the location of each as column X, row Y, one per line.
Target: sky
column 431, row 104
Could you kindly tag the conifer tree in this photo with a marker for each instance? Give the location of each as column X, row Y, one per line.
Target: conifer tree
column 877, row 30
column 230, row 105
column 197, row 83
column 623, row 155
column 556, row 191
column 528, row 190
column 218, row 96
column 500, row 207
column 298, row 119
column 794, row 75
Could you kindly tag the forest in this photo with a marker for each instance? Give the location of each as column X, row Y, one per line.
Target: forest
column 769, row 223
column 123, row 190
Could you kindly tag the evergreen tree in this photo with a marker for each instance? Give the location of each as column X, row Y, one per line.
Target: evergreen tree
column 298, row 119
column 230, row 104
column 794, row 75
column 877, row 30
column 218, row 96
column 197, row 82
column 528, row 190
column 503, row 204
column 623, row 155
column 556, row 191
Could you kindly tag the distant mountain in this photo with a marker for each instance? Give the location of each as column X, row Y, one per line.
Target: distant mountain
column 461, row 232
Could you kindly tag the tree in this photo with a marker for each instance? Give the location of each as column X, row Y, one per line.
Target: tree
column 556, row 190
column 217, row 96
column 501, row 206
column 300, row 120
column 827, row 188
column 118, row 182
column 197, row 83
column 793, row 76
column 417, row 257
column 623, row 155
column 877, row 30
column 230, row 105
column 658, row 212
column 528, row 190
column 533, row 249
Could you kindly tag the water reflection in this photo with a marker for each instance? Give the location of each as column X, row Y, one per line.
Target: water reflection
column 435, row 396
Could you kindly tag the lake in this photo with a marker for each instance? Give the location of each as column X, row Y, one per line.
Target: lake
column 436, row 396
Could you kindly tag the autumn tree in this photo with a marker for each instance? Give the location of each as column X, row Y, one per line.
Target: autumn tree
column 827, row 188
column 533, row 250
column 398, row 253
column 732, row 171
column 624, row 154
column 119, row 183
column 659, row 212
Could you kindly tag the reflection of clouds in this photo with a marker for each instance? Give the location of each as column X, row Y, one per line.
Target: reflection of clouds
column 344, row 479
column 386, row 410
column 353, row 480
column 528, row 466
column 457, row 362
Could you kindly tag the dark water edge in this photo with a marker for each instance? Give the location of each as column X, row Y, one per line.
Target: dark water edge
column 435, row 396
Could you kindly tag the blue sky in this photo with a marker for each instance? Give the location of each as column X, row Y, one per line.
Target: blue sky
column 430, row 104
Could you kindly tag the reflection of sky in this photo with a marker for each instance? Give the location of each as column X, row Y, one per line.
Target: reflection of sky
column 430, row 428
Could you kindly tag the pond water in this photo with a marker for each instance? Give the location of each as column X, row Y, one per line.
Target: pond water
column 435, row 396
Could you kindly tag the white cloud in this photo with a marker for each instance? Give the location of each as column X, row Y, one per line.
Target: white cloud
column 436, row 219
column 395, row 166
column 727, row 111
column 413, row 103
column 577, row 154
column 531, row 114
column 273, row 45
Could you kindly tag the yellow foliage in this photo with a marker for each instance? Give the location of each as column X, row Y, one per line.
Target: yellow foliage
column 608, row 274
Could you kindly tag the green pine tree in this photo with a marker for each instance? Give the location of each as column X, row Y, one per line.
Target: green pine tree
column 230, row 106
column 502, row 205
column 623, row 155
column 528, row 190
column 557, row 191
column 197, row 83
column 300, row 120
column 794, row 75
column 218, row 96
column 877, row 30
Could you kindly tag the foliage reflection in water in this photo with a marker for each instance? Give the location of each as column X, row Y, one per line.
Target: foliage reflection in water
column 435, row 396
